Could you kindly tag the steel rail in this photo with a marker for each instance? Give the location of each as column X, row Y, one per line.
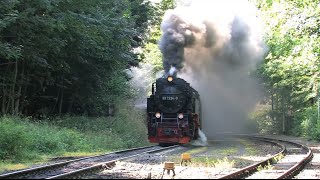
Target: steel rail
column 291, row 172
column 294, row 170
column 241, row 173
column 102, row 166
column 59, row 164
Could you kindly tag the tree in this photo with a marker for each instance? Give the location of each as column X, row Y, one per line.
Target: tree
column 291, row 69
column 62, row 56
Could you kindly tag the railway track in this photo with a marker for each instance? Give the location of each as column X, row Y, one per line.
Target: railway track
column 153, row 167
column 284, row 165
column 289, row 159
column 81, row 166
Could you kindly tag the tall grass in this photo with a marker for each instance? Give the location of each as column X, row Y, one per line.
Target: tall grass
column 25, row 140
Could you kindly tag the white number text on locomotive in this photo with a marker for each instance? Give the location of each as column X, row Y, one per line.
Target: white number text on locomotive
column 170, row 98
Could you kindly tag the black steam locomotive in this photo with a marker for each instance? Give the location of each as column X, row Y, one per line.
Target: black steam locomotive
column 173, row 112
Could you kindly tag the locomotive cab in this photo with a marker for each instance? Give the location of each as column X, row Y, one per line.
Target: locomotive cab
column 173, row 112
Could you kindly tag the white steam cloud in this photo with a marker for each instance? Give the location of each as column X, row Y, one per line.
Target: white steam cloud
column 141, row 81
column 214, row 45
column 201, row 141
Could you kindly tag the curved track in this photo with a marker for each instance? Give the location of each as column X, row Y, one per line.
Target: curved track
column 293, row 156
column 287, row 162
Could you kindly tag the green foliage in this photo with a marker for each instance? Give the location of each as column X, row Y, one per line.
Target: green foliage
column 131, row 125
column 278, row 158
column 23, row 140
column 307, row 123
column 168, row 4
column 265, row 167
column 151, row 50
column 263, row 117
column 8, row 16
column 224, row 163
column 213, row 162
column 251, row 125
column 149, row 54
column 153, row 55
column 13, row 140
column 61, row 56
column 290, row 72
column 26, row 139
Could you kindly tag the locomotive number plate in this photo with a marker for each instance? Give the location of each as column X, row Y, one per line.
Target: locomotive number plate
column 170, row 98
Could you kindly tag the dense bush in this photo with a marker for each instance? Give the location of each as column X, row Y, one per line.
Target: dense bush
column 264, row 122
column 307, row 123
column 22, row 139
column 13, row 139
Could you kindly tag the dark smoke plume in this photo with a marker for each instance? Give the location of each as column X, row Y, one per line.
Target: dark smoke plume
column 214, row 45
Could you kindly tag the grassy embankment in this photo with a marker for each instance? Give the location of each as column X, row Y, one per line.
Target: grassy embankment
column 25, row 141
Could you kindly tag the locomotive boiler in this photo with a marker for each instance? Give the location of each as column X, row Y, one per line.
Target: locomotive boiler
column 173, row 112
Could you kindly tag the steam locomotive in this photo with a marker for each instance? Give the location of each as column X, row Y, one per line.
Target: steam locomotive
column 173, row 112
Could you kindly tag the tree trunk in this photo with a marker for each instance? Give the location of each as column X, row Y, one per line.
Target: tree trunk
column 272, row 105
column 61, row 97
column 8, row 93
column 57, row 100
column 23, row 108
column 71, row 104
column 18, row 98
column 4, row 97
column 8, row 103
column 13, row 94
column 17, row 103
column 61, row 101
column 283, row 116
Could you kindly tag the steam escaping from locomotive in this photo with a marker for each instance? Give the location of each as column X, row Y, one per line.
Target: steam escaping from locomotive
column 172, row 71
column 214, row 45
column 201, row 141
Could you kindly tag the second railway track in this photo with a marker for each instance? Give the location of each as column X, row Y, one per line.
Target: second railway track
column 78, row 167
column 282, row 160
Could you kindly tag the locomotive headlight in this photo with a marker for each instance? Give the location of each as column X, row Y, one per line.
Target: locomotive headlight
column 180, row 115
column 170, row 78
column 158, row 115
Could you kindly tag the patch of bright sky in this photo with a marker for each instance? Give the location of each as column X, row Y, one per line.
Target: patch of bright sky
column 155, row 1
